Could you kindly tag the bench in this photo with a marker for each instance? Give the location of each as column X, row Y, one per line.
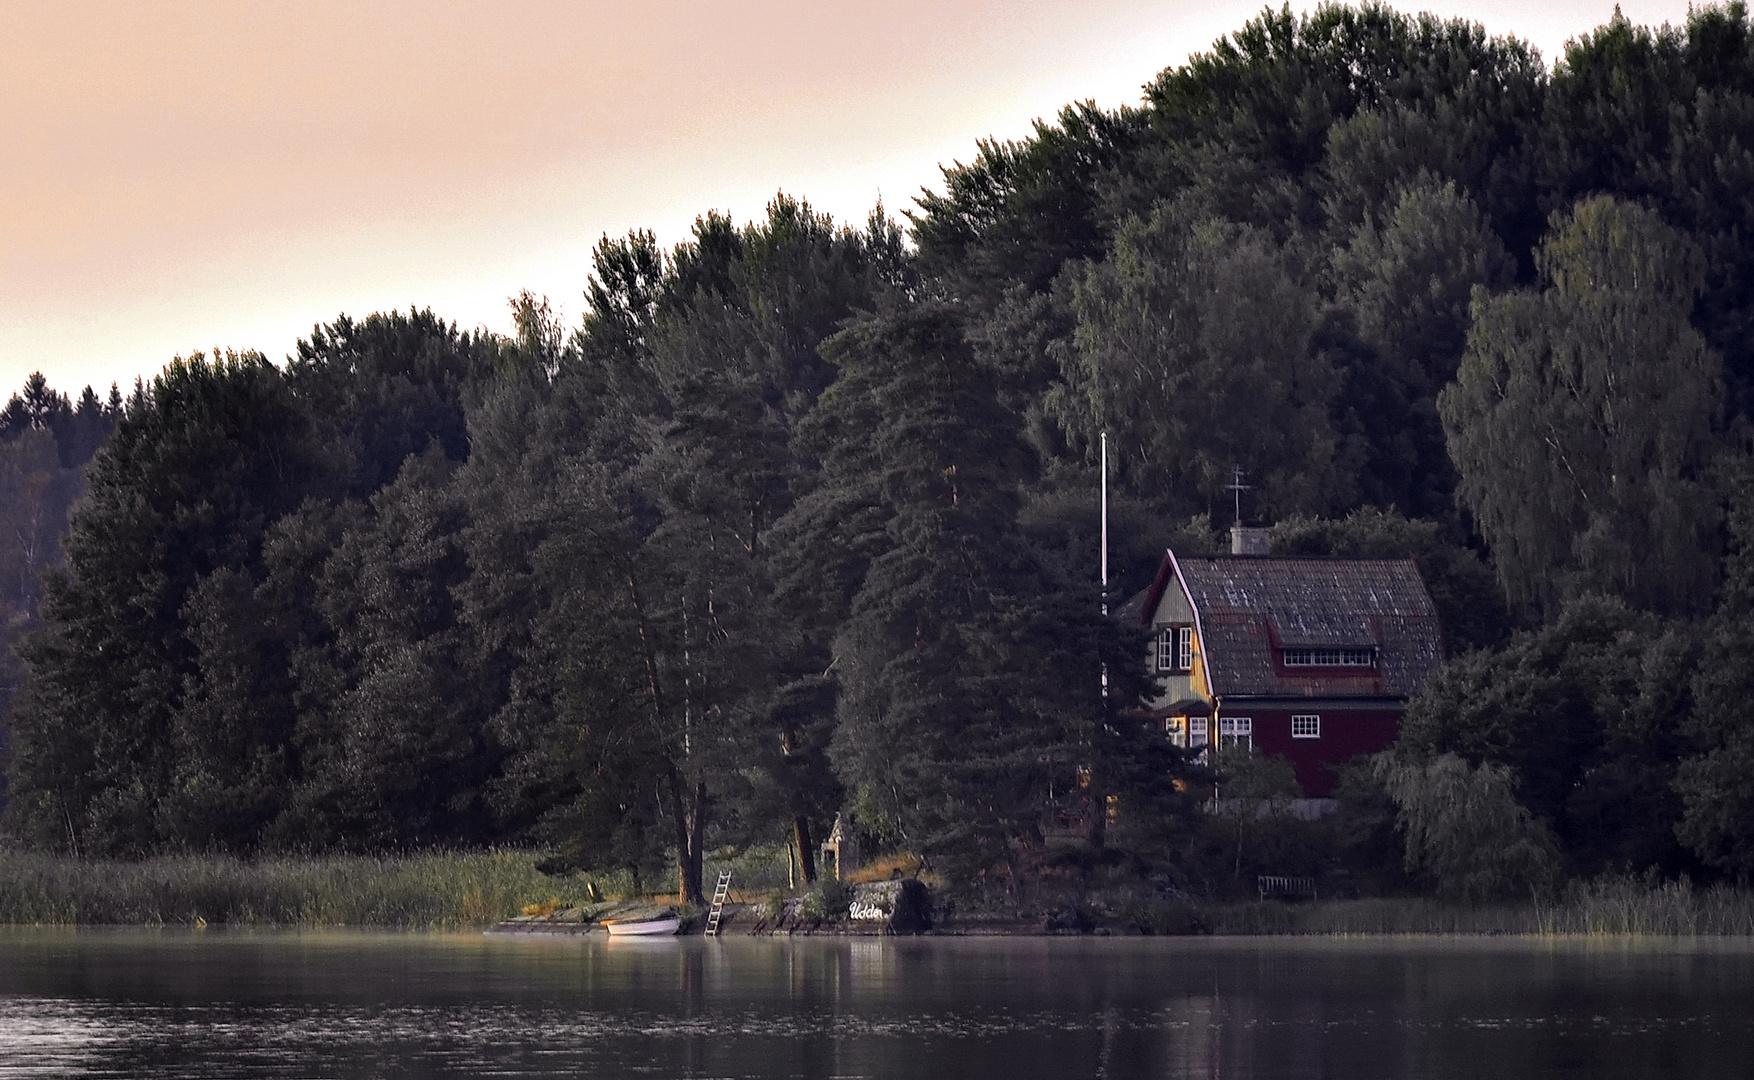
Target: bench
column 1272, row 887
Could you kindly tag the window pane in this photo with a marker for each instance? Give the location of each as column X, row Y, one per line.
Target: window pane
column 1328, row 657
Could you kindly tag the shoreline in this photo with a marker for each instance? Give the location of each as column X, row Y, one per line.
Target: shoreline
column 477, row 891
column 1262, row 920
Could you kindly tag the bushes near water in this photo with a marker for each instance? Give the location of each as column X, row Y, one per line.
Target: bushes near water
column 416, row 892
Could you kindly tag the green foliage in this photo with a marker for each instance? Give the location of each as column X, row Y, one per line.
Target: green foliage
column 1718, row 821
column 186, row 487
column 1409, row 281
column 251, row 630
column 45, row 440
column 936, row 632
column 1465, row 831
column 1362, row 831
column 801, row 519
column 1248, row 123
column 1624, row 98
column 384, row 388
column 1253, row 794
column 829, row 900
column 1588, row 715
column 1193, row 351
column 1582, row 420
column 1020, row 211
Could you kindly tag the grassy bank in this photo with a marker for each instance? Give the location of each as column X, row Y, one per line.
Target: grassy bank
column 421, row 892
column 470, row 890
column 1604, row 907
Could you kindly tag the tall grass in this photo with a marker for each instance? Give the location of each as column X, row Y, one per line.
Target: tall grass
column 417, row 892
column 474, row 889
column 1608, row 906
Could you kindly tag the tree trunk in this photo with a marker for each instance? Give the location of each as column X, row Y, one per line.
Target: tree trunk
column 690, row 828
column 690, row 822
column 806, row 852
column 1096, row 825
column 692, row 892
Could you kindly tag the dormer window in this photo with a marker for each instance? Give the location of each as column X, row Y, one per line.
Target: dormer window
column 1175, row 649
column 1355, row 658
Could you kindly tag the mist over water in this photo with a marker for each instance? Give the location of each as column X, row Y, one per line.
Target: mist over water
column 142, row 1003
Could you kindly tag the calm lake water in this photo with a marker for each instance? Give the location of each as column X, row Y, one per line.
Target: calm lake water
column 141, row 1003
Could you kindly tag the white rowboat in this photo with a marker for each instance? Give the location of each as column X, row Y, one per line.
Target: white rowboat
column 644, row 928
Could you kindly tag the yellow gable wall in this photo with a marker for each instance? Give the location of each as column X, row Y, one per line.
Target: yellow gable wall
column 1174, row 610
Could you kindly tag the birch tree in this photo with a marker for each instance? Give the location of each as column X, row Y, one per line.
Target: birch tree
column 1583, row 419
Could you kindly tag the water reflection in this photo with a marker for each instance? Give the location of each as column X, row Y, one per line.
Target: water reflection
column 163, row 1004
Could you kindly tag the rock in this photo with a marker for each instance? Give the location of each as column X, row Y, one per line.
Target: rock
column 900, row 905
column 1070, row 921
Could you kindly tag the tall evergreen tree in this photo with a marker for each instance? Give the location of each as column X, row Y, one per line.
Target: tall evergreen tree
column 959, row 661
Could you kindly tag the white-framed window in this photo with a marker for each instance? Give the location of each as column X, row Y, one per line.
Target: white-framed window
column 1329, row 657
column 1175, row 649
column 1176, row 727
column 1307, row 726
column 1197, row 733
column 1236, row 731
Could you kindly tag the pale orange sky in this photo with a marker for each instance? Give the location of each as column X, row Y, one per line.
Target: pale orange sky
column 183, row 175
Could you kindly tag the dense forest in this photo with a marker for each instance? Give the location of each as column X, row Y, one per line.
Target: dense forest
column 802, row 520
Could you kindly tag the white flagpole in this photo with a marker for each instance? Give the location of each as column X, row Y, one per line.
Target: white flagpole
column 1105, row 523
column 1105, row 548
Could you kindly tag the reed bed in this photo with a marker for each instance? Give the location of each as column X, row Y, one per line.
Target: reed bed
column 1604, row 907
column 447, row 891
column 463, row 890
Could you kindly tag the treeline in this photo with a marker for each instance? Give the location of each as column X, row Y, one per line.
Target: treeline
column 45, row 440
column 801, row 518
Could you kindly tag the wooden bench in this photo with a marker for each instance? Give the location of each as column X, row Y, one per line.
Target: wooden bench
column 1272, row 887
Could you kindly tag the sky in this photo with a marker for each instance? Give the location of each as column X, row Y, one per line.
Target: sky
column 182, row 176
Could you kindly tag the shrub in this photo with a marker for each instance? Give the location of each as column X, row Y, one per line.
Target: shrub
column 1465, row 830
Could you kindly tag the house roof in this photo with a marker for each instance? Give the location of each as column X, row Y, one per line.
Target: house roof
column 1248, row 606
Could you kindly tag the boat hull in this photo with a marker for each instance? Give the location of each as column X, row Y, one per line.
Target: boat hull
column 644, row 928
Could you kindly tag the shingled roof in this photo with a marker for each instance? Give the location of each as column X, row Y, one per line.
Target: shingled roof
column 1250, row 605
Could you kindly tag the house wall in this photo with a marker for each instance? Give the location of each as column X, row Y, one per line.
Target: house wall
column 1345, row 733
column 1174, row 610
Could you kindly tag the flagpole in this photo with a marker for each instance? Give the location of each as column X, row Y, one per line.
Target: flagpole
column 1105, row 523
column 1105, row 548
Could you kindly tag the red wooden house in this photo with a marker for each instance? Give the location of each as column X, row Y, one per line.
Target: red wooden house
column 1312, row 658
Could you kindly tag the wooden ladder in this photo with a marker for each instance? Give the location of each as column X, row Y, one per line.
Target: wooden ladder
column 718, row 912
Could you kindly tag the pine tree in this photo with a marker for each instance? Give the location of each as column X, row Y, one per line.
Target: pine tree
column 968, row 670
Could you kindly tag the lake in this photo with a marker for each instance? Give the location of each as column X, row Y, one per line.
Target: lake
column 169, row 1003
